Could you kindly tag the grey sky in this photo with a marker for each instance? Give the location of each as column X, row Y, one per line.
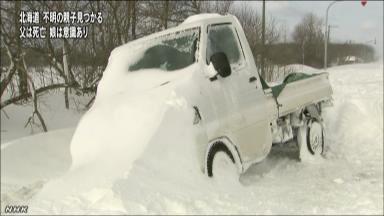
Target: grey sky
column 354, row 22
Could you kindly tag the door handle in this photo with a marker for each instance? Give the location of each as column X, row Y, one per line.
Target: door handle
column 252, row 79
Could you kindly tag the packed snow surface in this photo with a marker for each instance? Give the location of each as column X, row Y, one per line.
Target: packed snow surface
column 154, row 169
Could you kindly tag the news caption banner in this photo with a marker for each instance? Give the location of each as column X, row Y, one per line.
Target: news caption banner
column 57, row 24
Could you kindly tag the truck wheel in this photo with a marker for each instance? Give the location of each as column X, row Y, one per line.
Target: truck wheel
column 310, row 140
column 315, row 138
column 220, row 162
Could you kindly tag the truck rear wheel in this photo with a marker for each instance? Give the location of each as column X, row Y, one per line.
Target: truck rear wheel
column 315, row 138
column 310, row 139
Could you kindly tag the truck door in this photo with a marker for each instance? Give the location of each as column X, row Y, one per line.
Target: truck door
column 246, row 108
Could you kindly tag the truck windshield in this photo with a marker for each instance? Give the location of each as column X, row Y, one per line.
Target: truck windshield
column 170, row 52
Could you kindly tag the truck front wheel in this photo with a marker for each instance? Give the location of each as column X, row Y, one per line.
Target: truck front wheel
column 310, row 139
column 220, row 162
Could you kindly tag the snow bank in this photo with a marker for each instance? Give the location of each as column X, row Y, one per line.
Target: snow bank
column 113, row 134
column 113, row 137
column 127, row 112
column 165, row 177
column 52, row 158
column 27, row 163
column 52, row 108
column 303, row 69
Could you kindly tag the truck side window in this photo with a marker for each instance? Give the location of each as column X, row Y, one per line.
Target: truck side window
column 222, row 38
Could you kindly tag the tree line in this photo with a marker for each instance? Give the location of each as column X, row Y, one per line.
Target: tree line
column 77, row 65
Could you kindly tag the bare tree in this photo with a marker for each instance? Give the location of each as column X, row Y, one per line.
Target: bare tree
column 77, row 65
column 220, row 7
column 308, row 35
column 133, row 7
column 35, row 106
column 21, row 75
column 10, row 26
column 251, row 23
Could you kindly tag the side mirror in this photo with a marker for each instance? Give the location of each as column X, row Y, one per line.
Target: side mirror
column 221, row 64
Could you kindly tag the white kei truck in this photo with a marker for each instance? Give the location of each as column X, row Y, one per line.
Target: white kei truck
column 241, row 116
column 253, row 115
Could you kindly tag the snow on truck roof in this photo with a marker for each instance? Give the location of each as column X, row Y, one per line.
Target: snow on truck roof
column 201, row 17
column 129, row 50
column 191, row 21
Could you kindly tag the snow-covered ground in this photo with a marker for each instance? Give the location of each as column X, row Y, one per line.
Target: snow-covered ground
column 51, row 106
column 166, row 178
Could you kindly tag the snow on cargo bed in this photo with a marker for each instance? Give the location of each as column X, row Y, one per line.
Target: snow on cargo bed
column 276, row 89
column 281, row 72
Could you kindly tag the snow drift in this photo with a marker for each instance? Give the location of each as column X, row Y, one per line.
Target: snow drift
column 165, row 178
column 129, row 108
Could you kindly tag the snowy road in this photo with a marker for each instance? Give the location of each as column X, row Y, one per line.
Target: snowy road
column 348, row 181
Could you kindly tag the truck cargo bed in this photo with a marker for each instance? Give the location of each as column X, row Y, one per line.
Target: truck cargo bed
column 299, row 91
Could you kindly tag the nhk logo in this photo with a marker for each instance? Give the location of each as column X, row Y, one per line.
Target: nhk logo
column 16, row 209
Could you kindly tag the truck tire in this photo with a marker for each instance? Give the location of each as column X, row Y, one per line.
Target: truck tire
column 310, row 139
column 219, row 153
column 315, row 137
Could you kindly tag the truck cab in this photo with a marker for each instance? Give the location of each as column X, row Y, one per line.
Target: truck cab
column 241, row 115
column 238, row 111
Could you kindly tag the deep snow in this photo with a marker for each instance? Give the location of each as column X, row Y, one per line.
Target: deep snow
column 166, row 178
column 14, row 117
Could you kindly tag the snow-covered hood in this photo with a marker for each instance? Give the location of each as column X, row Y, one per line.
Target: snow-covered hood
column 117, row 78
column 130, row 105
column 123, row 123
column 128, row 109
column 139, row 82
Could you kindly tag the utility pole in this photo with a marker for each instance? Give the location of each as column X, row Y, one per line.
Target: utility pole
column 366, row 58
column 326, row 34
column 329, row 33
column 303, row 54
column 263, row 42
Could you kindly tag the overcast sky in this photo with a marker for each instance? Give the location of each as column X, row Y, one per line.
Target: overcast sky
column 354, row 22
